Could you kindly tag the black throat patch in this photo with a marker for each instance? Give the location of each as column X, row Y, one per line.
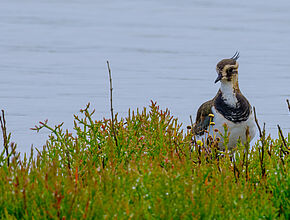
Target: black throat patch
column 235, row 114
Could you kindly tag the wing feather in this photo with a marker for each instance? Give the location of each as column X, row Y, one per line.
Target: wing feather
column 202, row 119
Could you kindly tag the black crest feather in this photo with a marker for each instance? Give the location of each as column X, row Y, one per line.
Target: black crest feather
column 236, row 56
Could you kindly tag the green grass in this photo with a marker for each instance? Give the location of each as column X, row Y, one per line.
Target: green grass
column 150, row 172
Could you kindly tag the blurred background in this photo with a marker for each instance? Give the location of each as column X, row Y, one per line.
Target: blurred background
column 53, row 57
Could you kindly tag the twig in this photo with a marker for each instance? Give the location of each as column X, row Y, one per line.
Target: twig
column 257, row 123
column 262, row 149
column 287, row 100
column 191, row 122
column 111, row 100
column 283, row 139
column 4, row 132
column 281, row 147
column 190, row 127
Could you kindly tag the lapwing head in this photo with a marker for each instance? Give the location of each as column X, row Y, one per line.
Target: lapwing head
column 227, row 69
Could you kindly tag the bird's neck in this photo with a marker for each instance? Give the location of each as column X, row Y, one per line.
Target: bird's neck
column 229, row 91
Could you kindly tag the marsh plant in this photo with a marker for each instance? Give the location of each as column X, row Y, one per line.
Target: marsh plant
column 143, row 166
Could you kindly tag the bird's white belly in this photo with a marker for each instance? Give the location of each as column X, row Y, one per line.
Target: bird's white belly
column 235, row 130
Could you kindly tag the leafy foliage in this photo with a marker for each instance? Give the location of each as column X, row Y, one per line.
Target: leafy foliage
column 155, row 171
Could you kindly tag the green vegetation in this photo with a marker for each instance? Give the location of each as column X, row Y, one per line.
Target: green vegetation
column 145, row 167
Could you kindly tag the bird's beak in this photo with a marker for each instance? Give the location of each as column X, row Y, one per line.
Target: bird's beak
column 218, row 78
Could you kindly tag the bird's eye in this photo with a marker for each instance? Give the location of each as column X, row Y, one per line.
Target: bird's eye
column 230, row 70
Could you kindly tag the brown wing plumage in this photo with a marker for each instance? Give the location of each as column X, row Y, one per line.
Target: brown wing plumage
column 202, row 119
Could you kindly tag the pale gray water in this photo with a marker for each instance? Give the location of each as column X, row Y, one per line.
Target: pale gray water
column 53, row 58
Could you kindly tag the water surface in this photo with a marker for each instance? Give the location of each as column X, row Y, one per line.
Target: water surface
column 53, row 58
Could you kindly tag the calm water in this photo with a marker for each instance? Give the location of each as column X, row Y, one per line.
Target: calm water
column 53, row 58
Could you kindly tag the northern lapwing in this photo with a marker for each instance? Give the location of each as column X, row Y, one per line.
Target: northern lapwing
column 229, row 106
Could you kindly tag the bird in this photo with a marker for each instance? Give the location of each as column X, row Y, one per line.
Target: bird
column 229, row 107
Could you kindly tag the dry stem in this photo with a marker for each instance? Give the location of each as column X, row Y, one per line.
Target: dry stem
column 4, row 132
column 262, row 149
column 111, row 100
column 257, row 123
column 283, row 139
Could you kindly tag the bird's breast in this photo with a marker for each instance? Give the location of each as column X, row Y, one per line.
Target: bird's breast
column 235, row 113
